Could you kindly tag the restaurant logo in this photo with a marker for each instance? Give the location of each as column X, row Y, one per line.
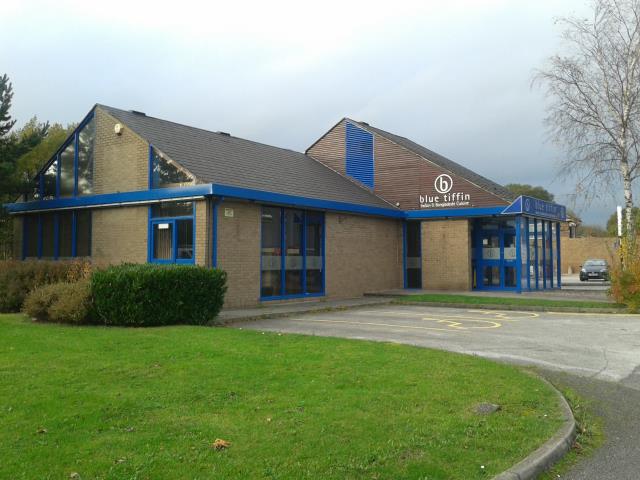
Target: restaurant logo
column 443, row 184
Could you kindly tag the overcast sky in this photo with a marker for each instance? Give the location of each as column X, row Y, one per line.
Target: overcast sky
column 454, row 76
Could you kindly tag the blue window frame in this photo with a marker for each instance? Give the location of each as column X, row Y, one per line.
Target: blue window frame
column 292, row 253
column 359, row 155
column 57, row 235
column 172, row 233
column 412, row 258
column 496, row 257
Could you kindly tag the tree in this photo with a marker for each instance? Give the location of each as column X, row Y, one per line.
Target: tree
column 530, row 190
column 594, row 93
column 6, row 95
column 612, row 223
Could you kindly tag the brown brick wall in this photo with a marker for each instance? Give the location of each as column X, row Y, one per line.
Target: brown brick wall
column 203, row 235
column 239, row 252
column 119, row 235
column 121, row 162
column 330, row 149
column 446, row 255
column 363, row 254
column 574, row 251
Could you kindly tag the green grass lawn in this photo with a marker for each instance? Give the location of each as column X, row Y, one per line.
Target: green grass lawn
column 115, row 403
column 480, row 300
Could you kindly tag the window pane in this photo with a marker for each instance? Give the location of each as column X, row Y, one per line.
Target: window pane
column 167, row 174
column 48, row 235
column 510, row 277
column 491, row 247
column 414, row 260
column 32, row 236
column 271, row 252
column 314, row 253
column 172, row 209
column 49, row 181
column 65, row 228
column 185, row 239
column 509, row 246
column 86, row 141
column 293, row 254
column 83, row 233
column 491, row 276
column 66, row 171
column 162, row 241
column 532, row 253
column 33, row 191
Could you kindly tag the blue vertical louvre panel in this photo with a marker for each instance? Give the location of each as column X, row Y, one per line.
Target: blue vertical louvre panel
column 359, row 155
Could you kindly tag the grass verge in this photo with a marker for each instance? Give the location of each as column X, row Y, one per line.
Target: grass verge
column 114, row 403
column 481, row 300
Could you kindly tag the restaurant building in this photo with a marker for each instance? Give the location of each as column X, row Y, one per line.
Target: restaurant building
column 362, row 210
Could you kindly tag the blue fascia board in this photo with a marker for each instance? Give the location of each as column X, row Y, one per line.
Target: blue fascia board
column 306, row 202
column 111, row 199
column 453, row 212
column 534, row 207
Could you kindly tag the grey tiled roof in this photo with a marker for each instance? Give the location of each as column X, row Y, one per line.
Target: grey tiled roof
column 221, row 159
column 444, row 162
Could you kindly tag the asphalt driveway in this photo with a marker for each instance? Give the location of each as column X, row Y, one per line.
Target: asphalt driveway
column 596, row 354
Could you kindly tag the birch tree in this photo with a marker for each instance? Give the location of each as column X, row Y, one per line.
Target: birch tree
column 594, row 98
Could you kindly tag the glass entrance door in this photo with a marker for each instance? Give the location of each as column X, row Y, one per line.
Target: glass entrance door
column 495, row 255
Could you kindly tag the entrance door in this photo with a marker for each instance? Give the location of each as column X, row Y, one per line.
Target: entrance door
column 496, row 256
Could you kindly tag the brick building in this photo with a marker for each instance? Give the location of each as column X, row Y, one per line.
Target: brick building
column 361, row 210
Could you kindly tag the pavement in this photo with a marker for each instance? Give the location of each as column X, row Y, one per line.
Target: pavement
column 596, row 354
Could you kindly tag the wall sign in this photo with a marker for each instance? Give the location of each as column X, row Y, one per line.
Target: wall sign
column 444, row 196
column 537, row 208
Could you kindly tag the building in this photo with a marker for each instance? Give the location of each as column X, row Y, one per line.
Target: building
column 361, row 210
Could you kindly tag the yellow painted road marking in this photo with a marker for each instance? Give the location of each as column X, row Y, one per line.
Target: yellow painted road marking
column 412, row 327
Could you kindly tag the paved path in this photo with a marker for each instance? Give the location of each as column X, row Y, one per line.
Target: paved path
column 598, row 355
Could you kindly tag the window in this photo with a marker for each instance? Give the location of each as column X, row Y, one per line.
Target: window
column 86, row 143
column 57, row 235
column 172, row 232
column 70, row 172
column 413, row 260
column 49, row 181
column 67, row 175
column 292, row 253
column 166, row 174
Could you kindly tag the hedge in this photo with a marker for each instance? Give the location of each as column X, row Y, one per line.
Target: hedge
column 62, row 302
column 18, row 278
column 151, row 295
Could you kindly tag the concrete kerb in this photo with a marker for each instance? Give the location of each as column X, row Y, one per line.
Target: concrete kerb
column 550, row 452
column 522, row 308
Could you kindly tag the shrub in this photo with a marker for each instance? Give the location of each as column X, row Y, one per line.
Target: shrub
column 146, row 295
column 61, row 302
column 18, row 278
column 625, row 283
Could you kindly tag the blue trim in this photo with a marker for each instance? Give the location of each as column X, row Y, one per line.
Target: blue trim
column 528, row 236
column 301, row 202
column 519, row 254
column 112, row 198
column 283, row 252
column 559, row 272
column 453, row 212
column 75, row 164
column 324, row 254
column 174, row 237
column 535, row 207
column 551, row 242
column 214, row 235
column 544, row 255
column 303, row 247
column 149, row 235
column 359, row 155
column 404, row 253
column 537, row 258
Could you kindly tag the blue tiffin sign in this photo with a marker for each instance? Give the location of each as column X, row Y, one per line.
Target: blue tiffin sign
column 537, row 208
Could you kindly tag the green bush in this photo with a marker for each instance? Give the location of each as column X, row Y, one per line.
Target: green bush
column 146, row 295
column 625, row 282
column 18, row 278
column 62, row 302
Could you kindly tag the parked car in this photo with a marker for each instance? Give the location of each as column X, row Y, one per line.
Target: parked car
column 595, row 269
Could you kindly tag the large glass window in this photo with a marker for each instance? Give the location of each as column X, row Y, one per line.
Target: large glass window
column 49, row 181
column 413, row 255
column 172, row 232
column 67, row 176
column 271, row 252
column 51, row 235
column 31, row 232
column 165, row 173
column 292, row 256
column 65, row 234
column 86, row 143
